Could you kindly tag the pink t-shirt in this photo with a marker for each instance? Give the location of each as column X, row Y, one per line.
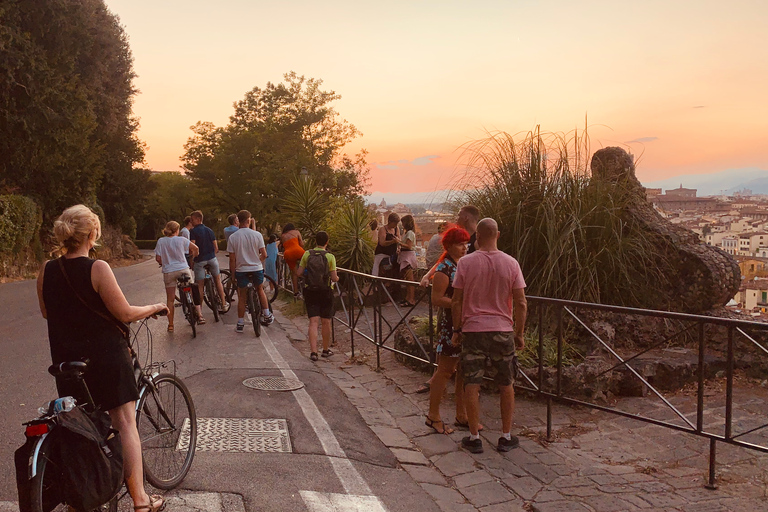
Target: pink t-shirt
column 488, row 278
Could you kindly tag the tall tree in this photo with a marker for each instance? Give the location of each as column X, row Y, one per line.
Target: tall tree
column 273, row 133
column 66, row 130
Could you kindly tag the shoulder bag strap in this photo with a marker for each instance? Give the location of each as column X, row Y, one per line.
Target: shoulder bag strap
column 111, row 319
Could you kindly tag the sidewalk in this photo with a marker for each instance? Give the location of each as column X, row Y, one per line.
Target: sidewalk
column 597, row 462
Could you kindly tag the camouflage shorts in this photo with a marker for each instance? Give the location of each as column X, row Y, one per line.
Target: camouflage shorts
column 491, row 354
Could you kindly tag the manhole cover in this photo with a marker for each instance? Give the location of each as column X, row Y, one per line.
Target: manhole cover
column 273, row 383
column 238, row 435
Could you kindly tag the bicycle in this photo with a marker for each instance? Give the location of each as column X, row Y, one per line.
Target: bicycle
column 230, row 289
column 210, row 294
column 185, row 297
column 165, row 417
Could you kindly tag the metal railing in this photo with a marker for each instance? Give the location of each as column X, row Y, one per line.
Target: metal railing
column 362, row 296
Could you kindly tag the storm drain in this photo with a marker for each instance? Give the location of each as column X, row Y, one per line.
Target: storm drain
column 273, row 383
column 238, row 435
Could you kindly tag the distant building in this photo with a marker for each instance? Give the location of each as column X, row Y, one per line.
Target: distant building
column 753, row 295
column 684, row 192
column 670, row 203
column 750, row 242
column 730, row 244
column 652, row 192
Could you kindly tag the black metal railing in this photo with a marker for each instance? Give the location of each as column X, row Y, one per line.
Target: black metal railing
column 362, row 296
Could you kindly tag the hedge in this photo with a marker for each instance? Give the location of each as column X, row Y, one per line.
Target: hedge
column 20, row 218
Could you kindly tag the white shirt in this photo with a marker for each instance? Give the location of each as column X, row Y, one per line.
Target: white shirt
column 184, row 232
column 245, row 243
column 171, row 250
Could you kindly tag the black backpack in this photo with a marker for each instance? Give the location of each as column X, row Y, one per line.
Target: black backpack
column 318, row 276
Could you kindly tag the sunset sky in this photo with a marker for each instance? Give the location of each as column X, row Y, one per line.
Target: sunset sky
column 683, row 83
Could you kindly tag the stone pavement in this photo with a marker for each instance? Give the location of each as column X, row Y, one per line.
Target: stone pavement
column 598, row 461
column 177, row 501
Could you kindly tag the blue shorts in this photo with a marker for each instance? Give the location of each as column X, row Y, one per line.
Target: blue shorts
column 243, row 278
column 200, row 268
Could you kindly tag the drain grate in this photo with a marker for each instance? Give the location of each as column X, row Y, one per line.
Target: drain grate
column 273, row 383
column 238, row 435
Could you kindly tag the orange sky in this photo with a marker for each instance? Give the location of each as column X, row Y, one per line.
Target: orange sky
column 419, row 79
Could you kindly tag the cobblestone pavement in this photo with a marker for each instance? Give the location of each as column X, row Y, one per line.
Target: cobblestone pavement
column 598, row 461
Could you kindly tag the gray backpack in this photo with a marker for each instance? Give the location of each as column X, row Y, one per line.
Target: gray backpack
column 318, row 276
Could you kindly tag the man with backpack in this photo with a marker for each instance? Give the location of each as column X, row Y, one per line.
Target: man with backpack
column 320, row 266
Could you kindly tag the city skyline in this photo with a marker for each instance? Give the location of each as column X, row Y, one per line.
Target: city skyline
column 679, row 85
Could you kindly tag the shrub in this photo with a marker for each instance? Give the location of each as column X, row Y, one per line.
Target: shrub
column 20, row 219
column 348, row 231
column 145, row 244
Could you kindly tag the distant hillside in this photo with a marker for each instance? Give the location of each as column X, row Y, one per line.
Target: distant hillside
column 724, row 182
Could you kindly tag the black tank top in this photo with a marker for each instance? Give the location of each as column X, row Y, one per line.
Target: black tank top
column 75, row 332
column 389, row 250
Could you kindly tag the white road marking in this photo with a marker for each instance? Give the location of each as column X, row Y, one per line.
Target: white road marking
column 331, row 502
column 350, row 479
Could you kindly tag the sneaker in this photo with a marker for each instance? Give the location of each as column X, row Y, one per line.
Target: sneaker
column 475, row 446
column 505, row 446
column 240, row 328
column 267, row 320
column 248, row 319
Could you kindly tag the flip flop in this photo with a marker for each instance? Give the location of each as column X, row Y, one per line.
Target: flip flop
column 434, row 424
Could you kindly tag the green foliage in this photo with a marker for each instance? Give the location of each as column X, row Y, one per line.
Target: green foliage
column 306, row 207
column 146, row 244
column 173, row 197
column 66, row 131
column 568, row 232
column 420, row 325
column 529, row 356
column 273, row 133
column 19, row 222
column 347, row 226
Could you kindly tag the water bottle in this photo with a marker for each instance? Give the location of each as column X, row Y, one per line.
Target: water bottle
column 63, row 404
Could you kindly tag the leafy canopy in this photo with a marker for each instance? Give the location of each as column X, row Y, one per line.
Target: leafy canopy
column 273, row 133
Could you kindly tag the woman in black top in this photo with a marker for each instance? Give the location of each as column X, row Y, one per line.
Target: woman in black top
column 386, row 246
column 74, row 292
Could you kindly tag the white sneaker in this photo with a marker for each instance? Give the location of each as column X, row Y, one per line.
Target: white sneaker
column 248, row 319
column 267, row 320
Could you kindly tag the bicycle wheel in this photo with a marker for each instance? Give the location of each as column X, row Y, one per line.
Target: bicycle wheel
column 167, row 425
column 188, row 307
column 211, row 298
column 255, row 311
column 228, row 283
column 270, row 288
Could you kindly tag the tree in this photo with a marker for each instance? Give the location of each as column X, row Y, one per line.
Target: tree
column 272, row 134
column 66, row 130
column 173, row 197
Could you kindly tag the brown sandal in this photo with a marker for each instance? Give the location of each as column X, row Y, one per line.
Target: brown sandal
column 434, row 424
column 170, row 328
column 156, row 504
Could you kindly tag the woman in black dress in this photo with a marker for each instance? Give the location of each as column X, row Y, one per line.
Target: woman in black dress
column 85, row 308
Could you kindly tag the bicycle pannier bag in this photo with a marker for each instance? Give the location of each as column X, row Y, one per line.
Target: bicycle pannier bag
column 90, row 455
column 318, row 276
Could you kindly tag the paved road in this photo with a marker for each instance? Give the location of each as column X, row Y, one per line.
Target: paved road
column 335, row 458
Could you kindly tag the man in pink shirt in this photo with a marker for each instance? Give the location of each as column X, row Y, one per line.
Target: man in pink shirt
column 489, row 310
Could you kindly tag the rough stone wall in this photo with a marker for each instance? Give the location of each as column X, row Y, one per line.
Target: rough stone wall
column 699, row 277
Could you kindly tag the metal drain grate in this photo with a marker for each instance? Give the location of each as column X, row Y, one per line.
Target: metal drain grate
column 238, row 435
column 273, row 383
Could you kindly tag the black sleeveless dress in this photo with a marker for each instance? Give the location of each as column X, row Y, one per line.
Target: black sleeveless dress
column 76, row 333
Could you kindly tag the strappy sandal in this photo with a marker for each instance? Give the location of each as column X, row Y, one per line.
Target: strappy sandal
column 313, row 356
column 327, row 353
column 156, row 504
column 200, row 321
column 170, row 328
column 434, row 424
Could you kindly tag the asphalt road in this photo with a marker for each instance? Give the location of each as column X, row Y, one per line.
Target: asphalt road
column 334, row 454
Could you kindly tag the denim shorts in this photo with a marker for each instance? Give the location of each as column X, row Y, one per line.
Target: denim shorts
column 200, row 268
column 243, row 278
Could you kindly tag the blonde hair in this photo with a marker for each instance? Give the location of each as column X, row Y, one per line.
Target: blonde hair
column 170, row 228
column 75, row 226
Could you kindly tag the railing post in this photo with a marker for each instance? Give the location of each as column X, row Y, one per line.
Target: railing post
column 700, row 391
column 712, row 457
column 559, row 350
column 541, row 347
column 549, row 419
column 351, row 309
column 729, row 386
column 377, row 311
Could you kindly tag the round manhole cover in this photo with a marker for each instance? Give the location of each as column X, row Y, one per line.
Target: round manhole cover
column 273, row 383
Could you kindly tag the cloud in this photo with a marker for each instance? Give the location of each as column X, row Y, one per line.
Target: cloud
column 643, row 139
column 699, row 106
column 396, row 164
